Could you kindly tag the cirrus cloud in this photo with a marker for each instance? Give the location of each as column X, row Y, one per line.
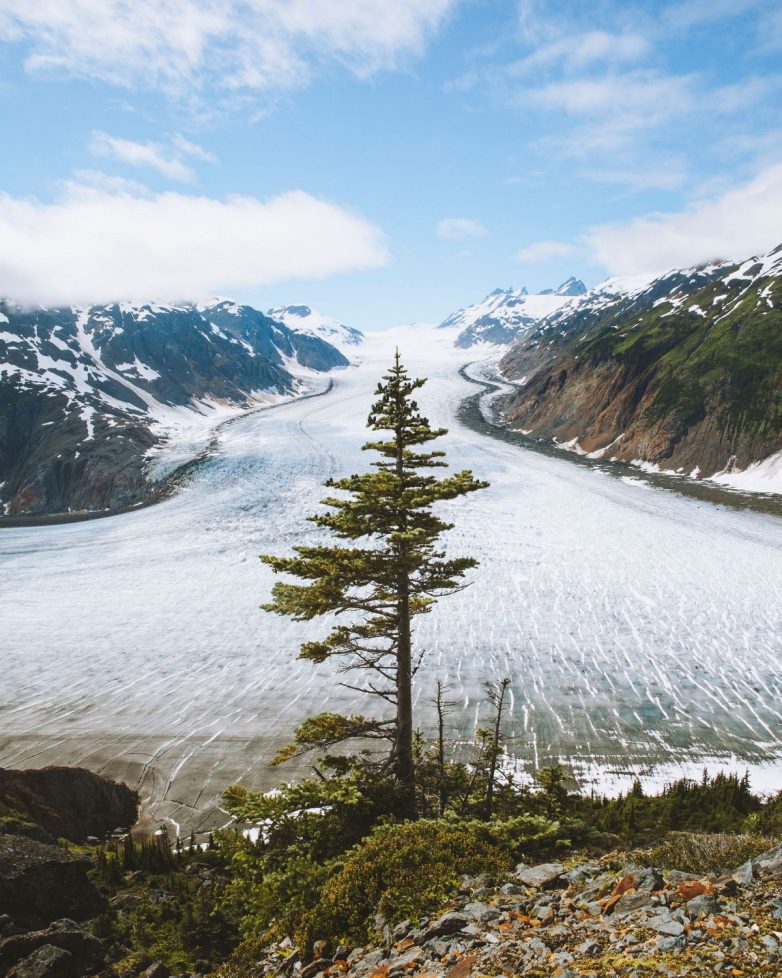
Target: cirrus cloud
column 104, row 242
column 186, row 45
column 459, row 228
column 540, row 251
column 153, row 155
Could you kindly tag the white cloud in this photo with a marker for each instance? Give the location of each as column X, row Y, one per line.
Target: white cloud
column 140, row 154
column 621, row 87
column 540, row 251
column 770, row 31
column 102, row 243
column 459, row 228
column 633, row 98
column 742, row 221
column 695, row 13
column 579, row 51
column 188, row 45
column 188, row 148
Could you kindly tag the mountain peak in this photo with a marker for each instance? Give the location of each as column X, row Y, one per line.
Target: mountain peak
column 303, row 319
column 572, row 286
column 505, row 314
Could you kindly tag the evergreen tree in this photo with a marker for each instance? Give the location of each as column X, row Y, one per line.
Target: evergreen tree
column 381, row 586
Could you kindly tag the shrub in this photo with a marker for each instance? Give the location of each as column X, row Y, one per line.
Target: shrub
column 701, row 854
column 399, row 871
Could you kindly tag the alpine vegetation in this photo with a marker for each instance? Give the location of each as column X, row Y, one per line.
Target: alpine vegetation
column 381, row 586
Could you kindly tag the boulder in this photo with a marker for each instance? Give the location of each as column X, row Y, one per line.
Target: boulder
column 630, row 901
column 744, row 875
column 449, row 923
column 463, row 968
column 689, row 889
column 589, row 949
column 40, row 883
column 47, row 961
column 546, row 876
column 313, row 968
column 704, row 904
column 156, row 970
column 647, row 879
column 69, row 802
column 481, row 912
column 665, row 924
column 768, row 866
column 580, row 874
column 84, row 950
column 410, row 959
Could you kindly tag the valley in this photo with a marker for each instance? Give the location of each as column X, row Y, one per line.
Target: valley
column 641, row 628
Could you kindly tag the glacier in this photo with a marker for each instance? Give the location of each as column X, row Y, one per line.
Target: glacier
column 642, row 630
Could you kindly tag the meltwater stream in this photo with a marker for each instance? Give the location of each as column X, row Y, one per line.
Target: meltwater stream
column 642, row 630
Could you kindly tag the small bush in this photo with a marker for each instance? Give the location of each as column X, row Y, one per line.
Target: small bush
column 702, row 854
column 399, row 871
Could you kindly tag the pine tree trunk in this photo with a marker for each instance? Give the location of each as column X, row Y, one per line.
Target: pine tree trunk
column 405, row 769
column 440, row 751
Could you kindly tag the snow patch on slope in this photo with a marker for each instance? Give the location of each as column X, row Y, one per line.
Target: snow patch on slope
column 765, row 476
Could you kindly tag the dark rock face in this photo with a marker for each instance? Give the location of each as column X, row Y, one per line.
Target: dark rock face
column 45, row 464
column 85, row 394
column 685, row 373
column 72, row 803
column 40, row 883
column 272, row 339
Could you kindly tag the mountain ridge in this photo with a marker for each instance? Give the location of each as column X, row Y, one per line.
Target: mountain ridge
column 89, row 396
column 505, row 315
column 304, row 319
column 682, row 371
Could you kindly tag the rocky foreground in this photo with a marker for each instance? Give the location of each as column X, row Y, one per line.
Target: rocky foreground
column 47, row 899
column 606, row 918
column 593, row 919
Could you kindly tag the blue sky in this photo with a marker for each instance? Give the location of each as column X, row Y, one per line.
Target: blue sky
column 382, row 161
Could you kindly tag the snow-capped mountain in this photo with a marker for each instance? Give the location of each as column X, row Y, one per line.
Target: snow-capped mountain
column 681, row 371
column 86, row 394
column 506, row 315
column 570, row 287
column 302, row 319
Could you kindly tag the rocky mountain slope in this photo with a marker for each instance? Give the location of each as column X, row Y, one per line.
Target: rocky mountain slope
column 310, row 321
column 598, row 919
column 87, row 394
column 69, row 802
column 48, row 903
column 683, row 372
column 506, row 315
